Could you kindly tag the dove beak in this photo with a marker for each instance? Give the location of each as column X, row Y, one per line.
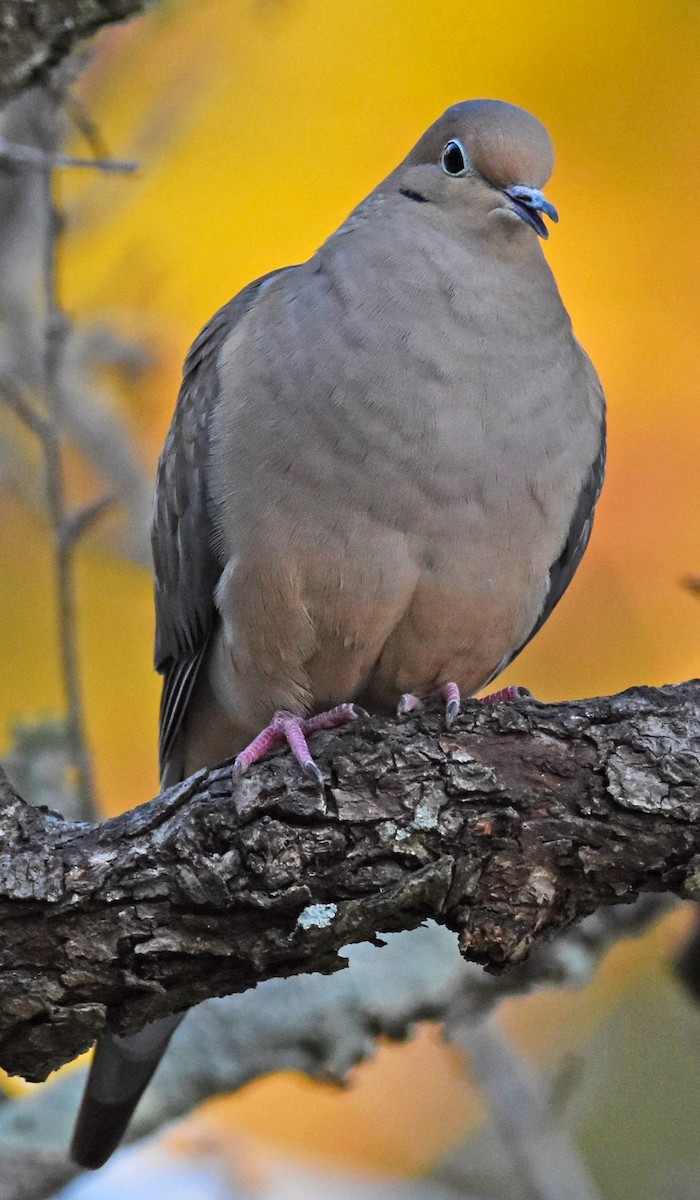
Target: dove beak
column 528, row 203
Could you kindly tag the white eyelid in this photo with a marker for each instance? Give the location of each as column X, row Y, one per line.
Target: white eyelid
column 465, row 158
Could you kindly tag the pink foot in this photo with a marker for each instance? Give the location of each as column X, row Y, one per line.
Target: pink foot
column 286, row 727
column 448, row 694
column 507, row 695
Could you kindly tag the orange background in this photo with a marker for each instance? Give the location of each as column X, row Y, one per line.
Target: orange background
column 258, row 124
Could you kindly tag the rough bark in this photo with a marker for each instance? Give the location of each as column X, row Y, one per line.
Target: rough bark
column 518, row 822
column 321, row 1025
column 36, row 35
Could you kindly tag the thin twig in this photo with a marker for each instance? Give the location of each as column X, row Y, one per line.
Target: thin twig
column 56, row 332
column 77, row 112
column 17, row 402
column 29, row 156
column 78, row 523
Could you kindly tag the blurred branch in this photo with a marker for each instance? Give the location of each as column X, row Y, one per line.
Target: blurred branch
column 95, row 361
column 42, row 363
column 56, row 332
column 543, row 1155
column 81, row 120
column 24, row 410
column 35, row 37
column 29, row 156
column 318, row 1024
column 80, row 522
column 521, row 821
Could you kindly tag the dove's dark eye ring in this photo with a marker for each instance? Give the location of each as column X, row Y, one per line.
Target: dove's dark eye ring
column 453, row 159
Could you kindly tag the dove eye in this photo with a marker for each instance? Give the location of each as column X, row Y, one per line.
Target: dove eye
column 453, row 159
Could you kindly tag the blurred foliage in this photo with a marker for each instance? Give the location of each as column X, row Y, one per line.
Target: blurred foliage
column 258, row 125
column 39, row 764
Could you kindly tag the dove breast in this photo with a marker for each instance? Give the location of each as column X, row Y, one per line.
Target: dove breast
column 404, row 426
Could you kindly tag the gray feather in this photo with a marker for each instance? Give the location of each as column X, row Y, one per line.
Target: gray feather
column 185, row 562
column 563, row 570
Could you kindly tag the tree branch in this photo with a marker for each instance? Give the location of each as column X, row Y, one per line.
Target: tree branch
column 35, row 37
column 522, row 820
column 56, row 333
column 321, row 1025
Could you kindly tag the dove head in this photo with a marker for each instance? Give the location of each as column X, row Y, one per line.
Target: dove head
column 483, row 163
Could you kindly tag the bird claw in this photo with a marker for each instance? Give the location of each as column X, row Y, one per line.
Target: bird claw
column 287, row 727
column 312, row 772
column 507, row 695
column 448, row 694
column 408, row 703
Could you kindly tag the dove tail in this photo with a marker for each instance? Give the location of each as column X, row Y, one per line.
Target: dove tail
column 121, row 1070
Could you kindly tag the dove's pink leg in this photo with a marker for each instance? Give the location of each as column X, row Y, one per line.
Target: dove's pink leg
column 286, row 727
column 449, row 694
column 506, row 695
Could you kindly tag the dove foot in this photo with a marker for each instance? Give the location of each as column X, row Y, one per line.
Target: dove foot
column 286, row 727
column 448, row 694
column 450, row 697
column 507, row 695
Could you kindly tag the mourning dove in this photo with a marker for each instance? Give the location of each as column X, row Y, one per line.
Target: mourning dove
column 378, row 482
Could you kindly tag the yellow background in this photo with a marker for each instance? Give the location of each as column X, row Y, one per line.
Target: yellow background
column 258, row 124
